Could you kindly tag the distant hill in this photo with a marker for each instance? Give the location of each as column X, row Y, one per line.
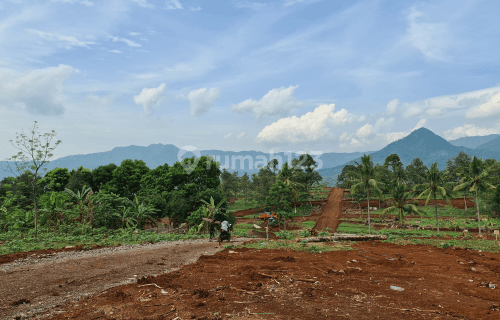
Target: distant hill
column 492, row 146
column 473, row 142
column 427, row 146
column 155, row 155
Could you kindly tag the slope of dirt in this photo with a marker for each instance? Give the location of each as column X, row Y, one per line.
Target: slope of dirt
column 44, row 284
column 330, row 212
column 281, row 284
column 456, row 203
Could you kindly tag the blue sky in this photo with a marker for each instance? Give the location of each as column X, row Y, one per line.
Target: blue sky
column 282, row 75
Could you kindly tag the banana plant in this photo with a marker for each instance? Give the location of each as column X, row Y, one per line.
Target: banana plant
column 80, row 198
column 53, row 207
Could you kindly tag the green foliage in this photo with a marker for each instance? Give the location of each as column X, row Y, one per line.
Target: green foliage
column 324, row 233
column 56, row 179
column 304, row 233
column 79, row 178
column 286, row 235
column 279, row 200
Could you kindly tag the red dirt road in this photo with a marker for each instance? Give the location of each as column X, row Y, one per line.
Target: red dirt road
column 281, row 284
column 330, row 213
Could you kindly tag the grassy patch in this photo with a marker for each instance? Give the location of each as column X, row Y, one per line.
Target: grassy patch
column 262, row 245
column 241, row 204
column 484, row 245
column 308, row 224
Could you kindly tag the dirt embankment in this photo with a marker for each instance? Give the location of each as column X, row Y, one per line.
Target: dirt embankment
column 429, row 283
column 456, row 203
column 330, row 212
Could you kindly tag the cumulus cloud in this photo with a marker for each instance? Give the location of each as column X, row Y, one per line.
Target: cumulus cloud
column 420, row 124
column 392, row 106
column 364, row 131
column 173, row 5
column 487, row 109
column 134, row 33
column 201, row 100
column 144, row 4
column 228, row 135
column 115, row 51
column 150, row 97
column 383, row 124
column 65, row 41
column 312, row 126
column 241, row 135
column 277, row 101
column 469, row 130
column 250, row 5
column 38, row 91
column 411, row 111
column 195, row 9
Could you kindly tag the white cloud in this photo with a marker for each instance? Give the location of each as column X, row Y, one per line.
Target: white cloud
column 144, row 4
column 84, row 2
column 429, row 38
column 487, row 109
column 134, row 33
column 364, row 131
column 173, row 5
column 250, row 5
column 383, row 124
column 241, row 135
column 228, row 135
column 66, row 41
column 393, row 136
column 411, row 111
column 276, row 102
column 195, row 9
column 38, row 91
column 312, row 126
column 469, row 130
column 115, row 51
column 130, row 43
column 288, row 3
column 392, row 106
column 201, row 100
column 420, row 124
column 146, row 76
column 150, row 97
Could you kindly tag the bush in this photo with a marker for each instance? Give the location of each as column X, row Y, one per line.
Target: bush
column 287, row 235
column 313, row 249
column 324, row 233
column 304, row 233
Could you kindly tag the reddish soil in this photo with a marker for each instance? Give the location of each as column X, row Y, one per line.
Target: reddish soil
column 282, row 284
column 330, row 213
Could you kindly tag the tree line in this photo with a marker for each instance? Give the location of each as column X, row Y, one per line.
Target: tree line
column 464, row 176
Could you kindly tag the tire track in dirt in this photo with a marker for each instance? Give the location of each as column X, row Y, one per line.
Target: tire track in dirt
column 330, row 213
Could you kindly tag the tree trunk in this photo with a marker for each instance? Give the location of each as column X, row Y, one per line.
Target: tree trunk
column 478, row 216
column 35, row 211
column 465, row 201
column 400, row 217
column 369, row 221
column 436, row 208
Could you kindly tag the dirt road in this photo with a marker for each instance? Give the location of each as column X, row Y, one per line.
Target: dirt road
column 330, row 213
column 46, row 283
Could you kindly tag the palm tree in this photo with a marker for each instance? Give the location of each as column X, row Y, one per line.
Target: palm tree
column 401, row 197
column 80, row 197
column 475, row 179
column 366, row 181
column 286, row 175
column 127, row 216
column 212, row 209
column 435, row 184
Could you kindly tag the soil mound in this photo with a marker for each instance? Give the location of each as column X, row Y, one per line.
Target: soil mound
column 330, row 213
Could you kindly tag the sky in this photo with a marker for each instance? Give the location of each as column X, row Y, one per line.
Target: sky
column 280, row 75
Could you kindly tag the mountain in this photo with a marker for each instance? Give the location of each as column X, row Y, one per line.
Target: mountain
column 490, row 146
column 427, row 146
column 473, row 142
column 158, row 154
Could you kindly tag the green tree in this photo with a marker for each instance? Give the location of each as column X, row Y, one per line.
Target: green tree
column 434, row 186
column 33, row 154
column 53, row 203
column 475, row 179
column 415, row 172
column 245, row 186
column 458, row 167
column 142, row 212
column 102, row 175
column 279, row 200
column 56, row 179
column 401, row 197
column 79, row 178
column 229, row 183
column 287, row 175
column 80, row 199
column 346, row 176
column 308, row 164
column 366, row 181
column 126, row 180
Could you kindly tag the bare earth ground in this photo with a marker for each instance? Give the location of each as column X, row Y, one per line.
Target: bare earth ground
column 281, row 284
column 47, row 282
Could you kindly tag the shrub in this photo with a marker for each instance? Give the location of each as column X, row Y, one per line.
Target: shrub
column 304, row 233
column 287, row 235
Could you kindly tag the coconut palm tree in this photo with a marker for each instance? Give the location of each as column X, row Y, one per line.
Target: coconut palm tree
column 80, row 198
column 400, row 196
column 366, row 181
column 286, row 175
column 475, row 179
column 434, row 186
